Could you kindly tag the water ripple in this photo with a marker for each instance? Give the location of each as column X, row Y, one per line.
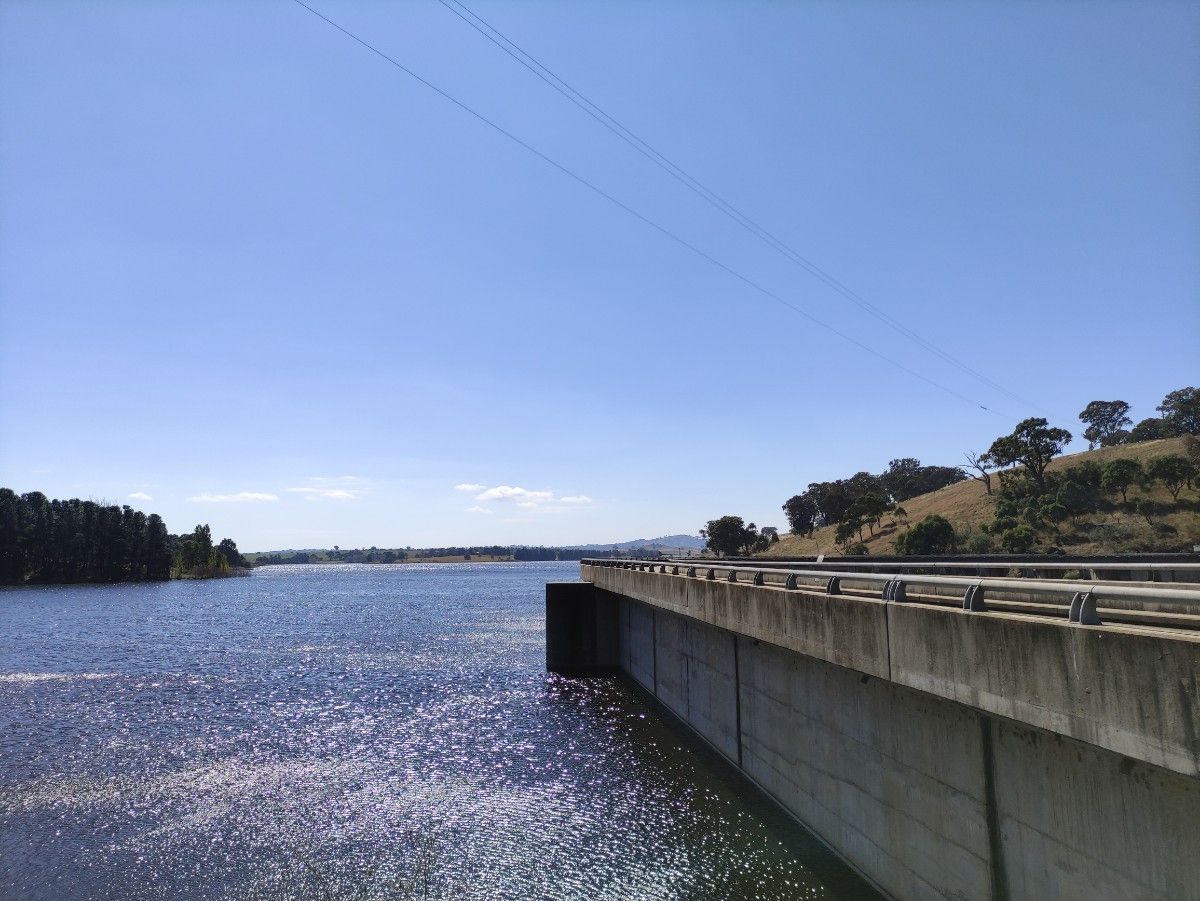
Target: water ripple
column 354, row 732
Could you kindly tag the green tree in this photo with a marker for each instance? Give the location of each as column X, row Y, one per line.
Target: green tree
column 868, row 510
column 728, row 535
column 1181, row 411
column 1172, row 470
column 846, row 532
column 906, row 478
column 802, row 512
column 229, row 550
column 1077, row 497
column 197, row 549
column 932, row 535
column 1033, row 444
column 1104, row 418
column 158, row 549
column 1120, row 475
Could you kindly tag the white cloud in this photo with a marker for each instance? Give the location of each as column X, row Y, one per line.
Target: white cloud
column 330, row 488
column 541, row 501
column 140, row 496
column 316, row 493
column 478, row 510
column 515, row 493
column 240, row 497
column 469, row 486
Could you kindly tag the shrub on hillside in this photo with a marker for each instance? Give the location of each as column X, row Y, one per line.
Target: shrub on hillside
column 1019, row 540
column 932, row 535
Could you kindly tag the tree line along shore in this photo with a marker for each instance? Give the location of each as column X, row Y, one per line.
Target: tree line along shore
column 45, row 541
column 492, row 553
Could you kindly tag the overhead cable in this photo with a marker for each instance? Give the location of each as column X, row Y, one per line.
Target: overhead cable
column 610, row 122
column 766, row 292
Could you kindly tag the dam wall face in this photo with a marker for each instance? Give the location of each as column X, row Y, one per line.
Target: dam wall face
column 929, row 795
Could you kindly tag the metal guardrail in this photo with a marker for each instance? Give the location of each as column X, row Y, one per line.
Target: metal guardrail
column 1081, row 600
column 1152, row 568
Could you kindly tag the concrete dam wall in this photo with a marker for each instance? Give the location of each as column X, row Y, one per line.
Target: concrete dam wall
column 944, row 754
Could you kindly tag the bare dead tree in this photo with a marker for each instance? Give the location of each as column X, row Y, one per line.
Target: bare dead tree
column 983, row 464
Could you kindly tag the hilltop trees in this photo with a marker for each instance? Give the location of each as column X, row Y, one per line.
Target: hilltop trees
column 864, row 498
column 906, row 478
column 1181, row 412
column 1150, row 429
column 1031, row 502
column 1106, row 420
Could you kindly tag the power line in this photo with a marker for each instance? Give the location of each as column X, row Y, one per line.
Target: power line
column 610, row 122
column 637, row 215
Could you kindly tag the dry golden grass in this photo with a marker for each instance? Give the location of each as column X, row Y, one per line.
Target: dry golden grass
column 967, row 506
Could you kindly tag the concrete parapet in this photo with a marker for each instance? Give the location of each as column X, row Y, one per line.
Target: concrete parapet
column 1133, row 691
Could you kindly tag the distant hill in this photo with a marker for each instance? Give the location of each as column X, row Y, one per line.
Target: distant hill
column 967, row 506
column 666, row 544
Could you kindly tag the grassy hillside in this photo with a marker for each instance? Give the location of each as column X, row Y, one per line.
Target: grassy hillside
column 967, row 506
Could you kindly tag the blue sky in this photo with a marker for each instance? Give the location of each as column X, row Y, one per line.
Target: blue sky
column 252, row 275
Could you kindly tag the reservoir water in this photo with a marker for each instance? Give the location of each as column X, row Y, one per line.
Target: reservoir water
column 356, row 732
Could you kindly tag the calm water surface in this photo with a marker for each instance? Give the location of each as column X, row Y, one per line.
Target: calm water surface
column 355, row 732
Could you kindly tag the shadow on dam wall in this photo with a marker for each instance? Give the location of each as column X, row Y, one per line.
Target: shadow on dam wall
column 925, row 795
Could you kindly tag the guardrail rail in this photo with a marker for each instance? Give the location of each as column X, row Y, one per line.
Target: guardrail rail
column 1090, row 603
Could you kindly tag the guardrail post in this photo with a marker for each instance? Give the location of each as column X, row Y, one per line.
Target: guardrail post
column 691, row 571
column 674, row 571
column 758, row 578
column 712, row 575
column 973, row 599
column 833, row 586
column 732, row 577
column 1083, row 610
column 893, row 590
column 790, row 583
